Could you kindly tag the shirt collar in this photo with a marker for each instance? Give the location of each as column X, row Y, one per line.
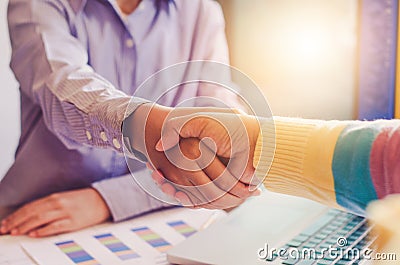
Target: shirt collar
column 78, row 5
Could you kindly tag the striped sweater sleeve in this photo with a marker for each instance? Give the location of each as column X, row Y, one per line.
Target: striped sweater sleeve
column 344, row 164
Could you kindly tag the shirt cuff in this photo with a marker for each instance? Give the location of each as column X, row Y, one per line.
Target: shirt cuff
column 125, row 198
column 106, row 122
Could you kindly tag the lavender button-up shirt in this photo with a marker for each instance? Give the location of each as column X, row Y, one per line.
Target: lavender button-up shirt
column 77, row 62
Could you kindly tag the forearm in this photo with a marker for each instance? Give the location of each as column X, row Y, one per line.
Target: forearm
column 125, row 198
column 79, row 106
column 327, row 161
column 90, row 114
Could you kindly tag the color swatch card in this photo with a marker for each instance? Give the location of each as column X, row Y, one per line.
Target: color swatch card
column 143, row 240
column 76, row 253
column 183, row 228
column 152, row 238
column 117, row 247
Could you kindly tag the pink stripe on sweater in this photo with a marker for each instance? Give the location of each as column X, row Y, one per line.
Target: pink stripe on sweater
column 385, row 162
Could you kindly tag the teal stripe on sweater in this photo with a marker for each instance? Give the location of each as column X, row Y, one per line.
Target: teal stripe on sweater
column 350, row 167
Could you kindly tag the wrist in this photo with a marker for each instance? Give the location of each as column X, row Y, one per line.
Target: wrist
column 102, row 207
column 252, row 124
column 265, row 143
column 253, row 130
column 143, row 127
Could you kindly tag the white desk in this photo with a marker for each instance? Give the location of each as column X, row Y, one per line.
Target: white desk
column 12, row 253
column 22, row 250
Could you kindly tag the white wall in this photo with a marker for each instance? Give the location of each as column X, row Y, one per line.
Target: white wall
column 9, row 98
column 300, row 53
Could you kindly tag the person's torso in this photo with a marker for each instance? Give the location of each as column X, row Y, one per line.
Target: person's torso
column 125, row 52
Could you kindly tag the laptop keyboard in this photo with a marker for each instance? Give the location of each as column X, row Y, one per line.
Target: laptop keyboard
column 343, row 231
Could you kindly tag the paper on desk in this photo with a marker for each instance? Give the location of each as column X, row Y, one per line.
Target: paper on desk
column 143, row 240
column 12, row 253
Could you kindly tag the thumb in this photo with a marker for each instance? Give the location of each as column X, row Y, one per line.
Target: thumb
column 167, row 141
column 170, row 133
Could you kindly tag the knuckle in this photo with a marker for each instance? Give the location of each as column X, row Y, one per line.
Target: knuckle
column 54, row 197
column 175, row 180
column 190, row 148
column 56, row 200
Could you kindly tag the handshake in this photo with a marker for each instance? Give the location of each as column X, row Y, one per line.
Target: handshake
column 202, row 157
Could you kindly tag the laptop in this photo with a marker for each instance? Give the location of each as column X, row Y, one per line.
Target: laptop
column 278, row 229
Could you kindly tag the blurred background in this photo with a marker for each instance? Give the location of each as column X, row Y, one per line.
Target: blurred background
column 9, row 99
column 301, row 54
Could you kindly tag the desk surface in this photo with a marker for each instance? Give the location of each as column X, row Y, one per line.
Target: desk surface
column 171, row 225
column 12, row 253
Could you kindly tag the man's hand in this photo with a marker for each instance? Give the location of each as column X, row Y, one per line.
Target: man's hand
column 57, row 213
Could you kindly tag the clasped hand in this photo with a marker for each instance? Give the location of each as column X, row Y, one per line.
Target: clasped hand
column 203, row 157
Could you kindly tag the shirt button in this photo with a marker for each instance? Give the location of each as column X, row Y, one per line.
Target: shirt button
column 129, row 43
column 88, row 135
column 103, row 136
column 116, row 143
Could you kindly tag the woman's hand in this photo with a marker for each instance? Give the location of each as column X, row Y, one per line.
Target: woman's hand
column 57, row 213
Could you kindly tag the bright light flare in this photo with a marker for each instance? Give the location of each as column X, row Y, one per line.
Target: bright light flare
column 308, row 45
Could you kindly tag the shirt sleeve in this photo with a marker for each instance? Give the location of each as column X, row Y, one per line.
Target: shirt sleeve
column 344, row 164
column 125, row 198
column 79, row 106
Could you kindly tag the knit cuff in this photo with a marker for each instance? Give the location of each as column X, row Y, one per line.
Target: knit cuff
column 301, row 163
